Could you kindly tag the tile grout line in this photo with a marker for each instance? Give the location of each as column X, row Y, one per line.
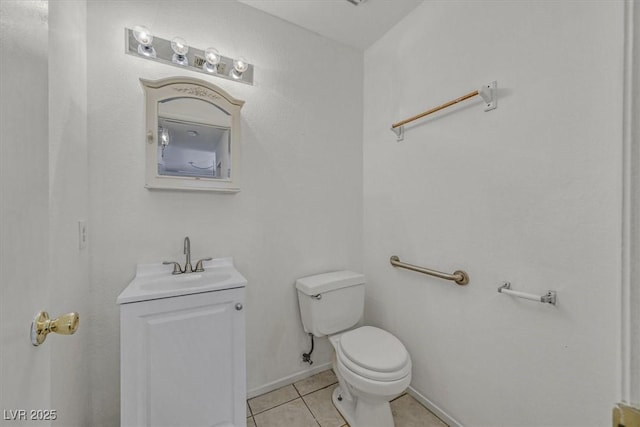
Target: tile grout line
column 310, row 411
column 284, row 403
column 305, row 402
column 306, row 406
column 330, row 401
column 393, row 400
column 251, row 413
column 321, row 388
column 278, row 405
column 296, row 389
column 300, row 396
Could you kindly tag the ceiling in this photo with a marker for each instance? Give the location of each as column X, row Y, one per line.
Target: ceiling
column 358, row 26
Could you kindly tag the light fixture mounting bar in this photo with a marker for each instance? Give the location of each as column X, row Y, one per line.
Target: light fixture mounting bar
column 195, row 57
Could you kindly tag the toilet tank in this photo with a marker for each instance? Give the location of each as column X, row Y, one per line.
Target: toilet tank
column 330, row 302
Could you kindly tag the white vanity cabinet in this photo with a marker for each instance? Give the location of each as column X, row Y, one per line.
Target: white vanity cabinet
column 183, row 360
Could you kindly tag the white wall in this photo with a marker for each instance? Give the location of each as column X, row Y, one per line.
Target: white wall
column 300, row 208
column 24, row 198
column 69, row 202
column 529, row 193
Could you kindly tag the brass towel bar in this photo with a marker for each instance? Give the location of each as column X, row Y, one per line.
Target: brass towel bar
column 458, row 276
column 487, row 92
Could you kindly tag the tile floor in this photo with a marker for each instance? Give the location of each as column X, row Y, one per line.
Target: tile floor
column 307, row 403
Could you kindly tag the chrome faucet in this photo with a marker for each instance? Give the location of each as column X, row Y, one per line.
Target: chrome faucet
column 187, row 252
column 188, row 268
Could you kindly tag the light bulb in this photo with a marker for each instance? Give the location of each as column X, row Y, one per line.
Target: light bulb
column 179, row 46
column 212, row 59
column 145, row 39
column 240, row 65
column 180, row 49
column 142, row 35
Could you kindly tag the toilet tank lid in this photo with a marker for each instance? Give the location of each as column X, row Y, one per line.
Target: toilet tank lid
column 319, row 283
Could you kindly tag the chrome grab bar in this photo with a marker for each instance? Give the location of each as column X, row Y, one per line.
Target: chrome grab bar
column 550, row 297
column 458, row 276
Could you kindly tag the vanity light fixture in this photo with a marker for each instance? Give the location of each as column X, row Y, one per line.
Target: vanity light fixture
column 145, row 41
column 212, row 59
column 141, row 43
column 180, row 49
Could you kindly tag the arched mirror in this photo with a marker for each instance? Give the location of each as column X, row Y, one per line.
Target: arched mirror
column 193, row 135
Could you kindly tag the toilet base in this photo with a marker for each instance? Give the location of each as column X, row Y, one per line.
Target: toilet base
column 361, row 413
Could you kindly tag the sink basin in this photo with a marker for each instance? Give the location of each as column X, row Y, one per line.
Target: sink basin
column 193, row 280
column 154, row 281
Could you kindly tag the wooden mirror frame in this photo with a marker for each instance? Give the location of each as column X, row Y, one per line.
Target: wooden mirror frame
column 157, row 91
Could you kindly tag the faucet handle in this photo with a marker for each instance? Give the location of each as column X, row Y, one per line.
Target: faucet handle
column 199, row 267
column 176, row 267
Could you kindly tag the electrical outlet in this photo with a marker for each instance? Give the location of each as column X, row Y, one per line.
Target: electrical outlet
column 82, row 234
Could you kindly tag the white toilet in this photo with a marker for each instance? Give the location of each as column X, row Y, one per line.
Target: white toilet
column 372, row 366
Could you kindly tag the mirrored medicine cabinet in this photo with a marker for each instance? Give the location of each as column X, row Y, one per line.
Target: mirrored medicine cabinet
column 193, row 136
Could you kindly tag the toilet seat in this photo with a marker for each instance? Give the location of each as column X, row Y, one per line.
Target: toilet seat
column 374, row 354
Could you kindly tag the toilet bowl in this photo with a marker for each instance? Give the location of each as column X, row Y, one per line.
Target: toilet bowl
column 373, row 366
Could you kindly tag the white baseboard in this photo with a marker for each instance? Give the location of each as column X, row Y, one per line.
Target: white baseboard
column 289, row 379
column 448, row 419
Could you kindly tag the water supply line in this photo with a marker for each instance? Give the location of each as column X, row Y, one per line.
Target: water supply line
column 306, row 357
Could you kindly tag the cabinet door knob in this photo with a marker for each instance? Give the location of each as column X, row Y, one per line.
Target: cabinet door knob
column 238, row 306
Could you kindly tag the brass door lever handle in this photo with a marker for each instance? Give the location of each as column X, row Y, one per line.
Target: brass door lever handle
column 67, row 324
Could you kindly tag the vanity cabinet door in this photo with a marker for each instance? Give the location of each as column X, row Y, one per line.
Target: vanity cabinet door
column 183, row 361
